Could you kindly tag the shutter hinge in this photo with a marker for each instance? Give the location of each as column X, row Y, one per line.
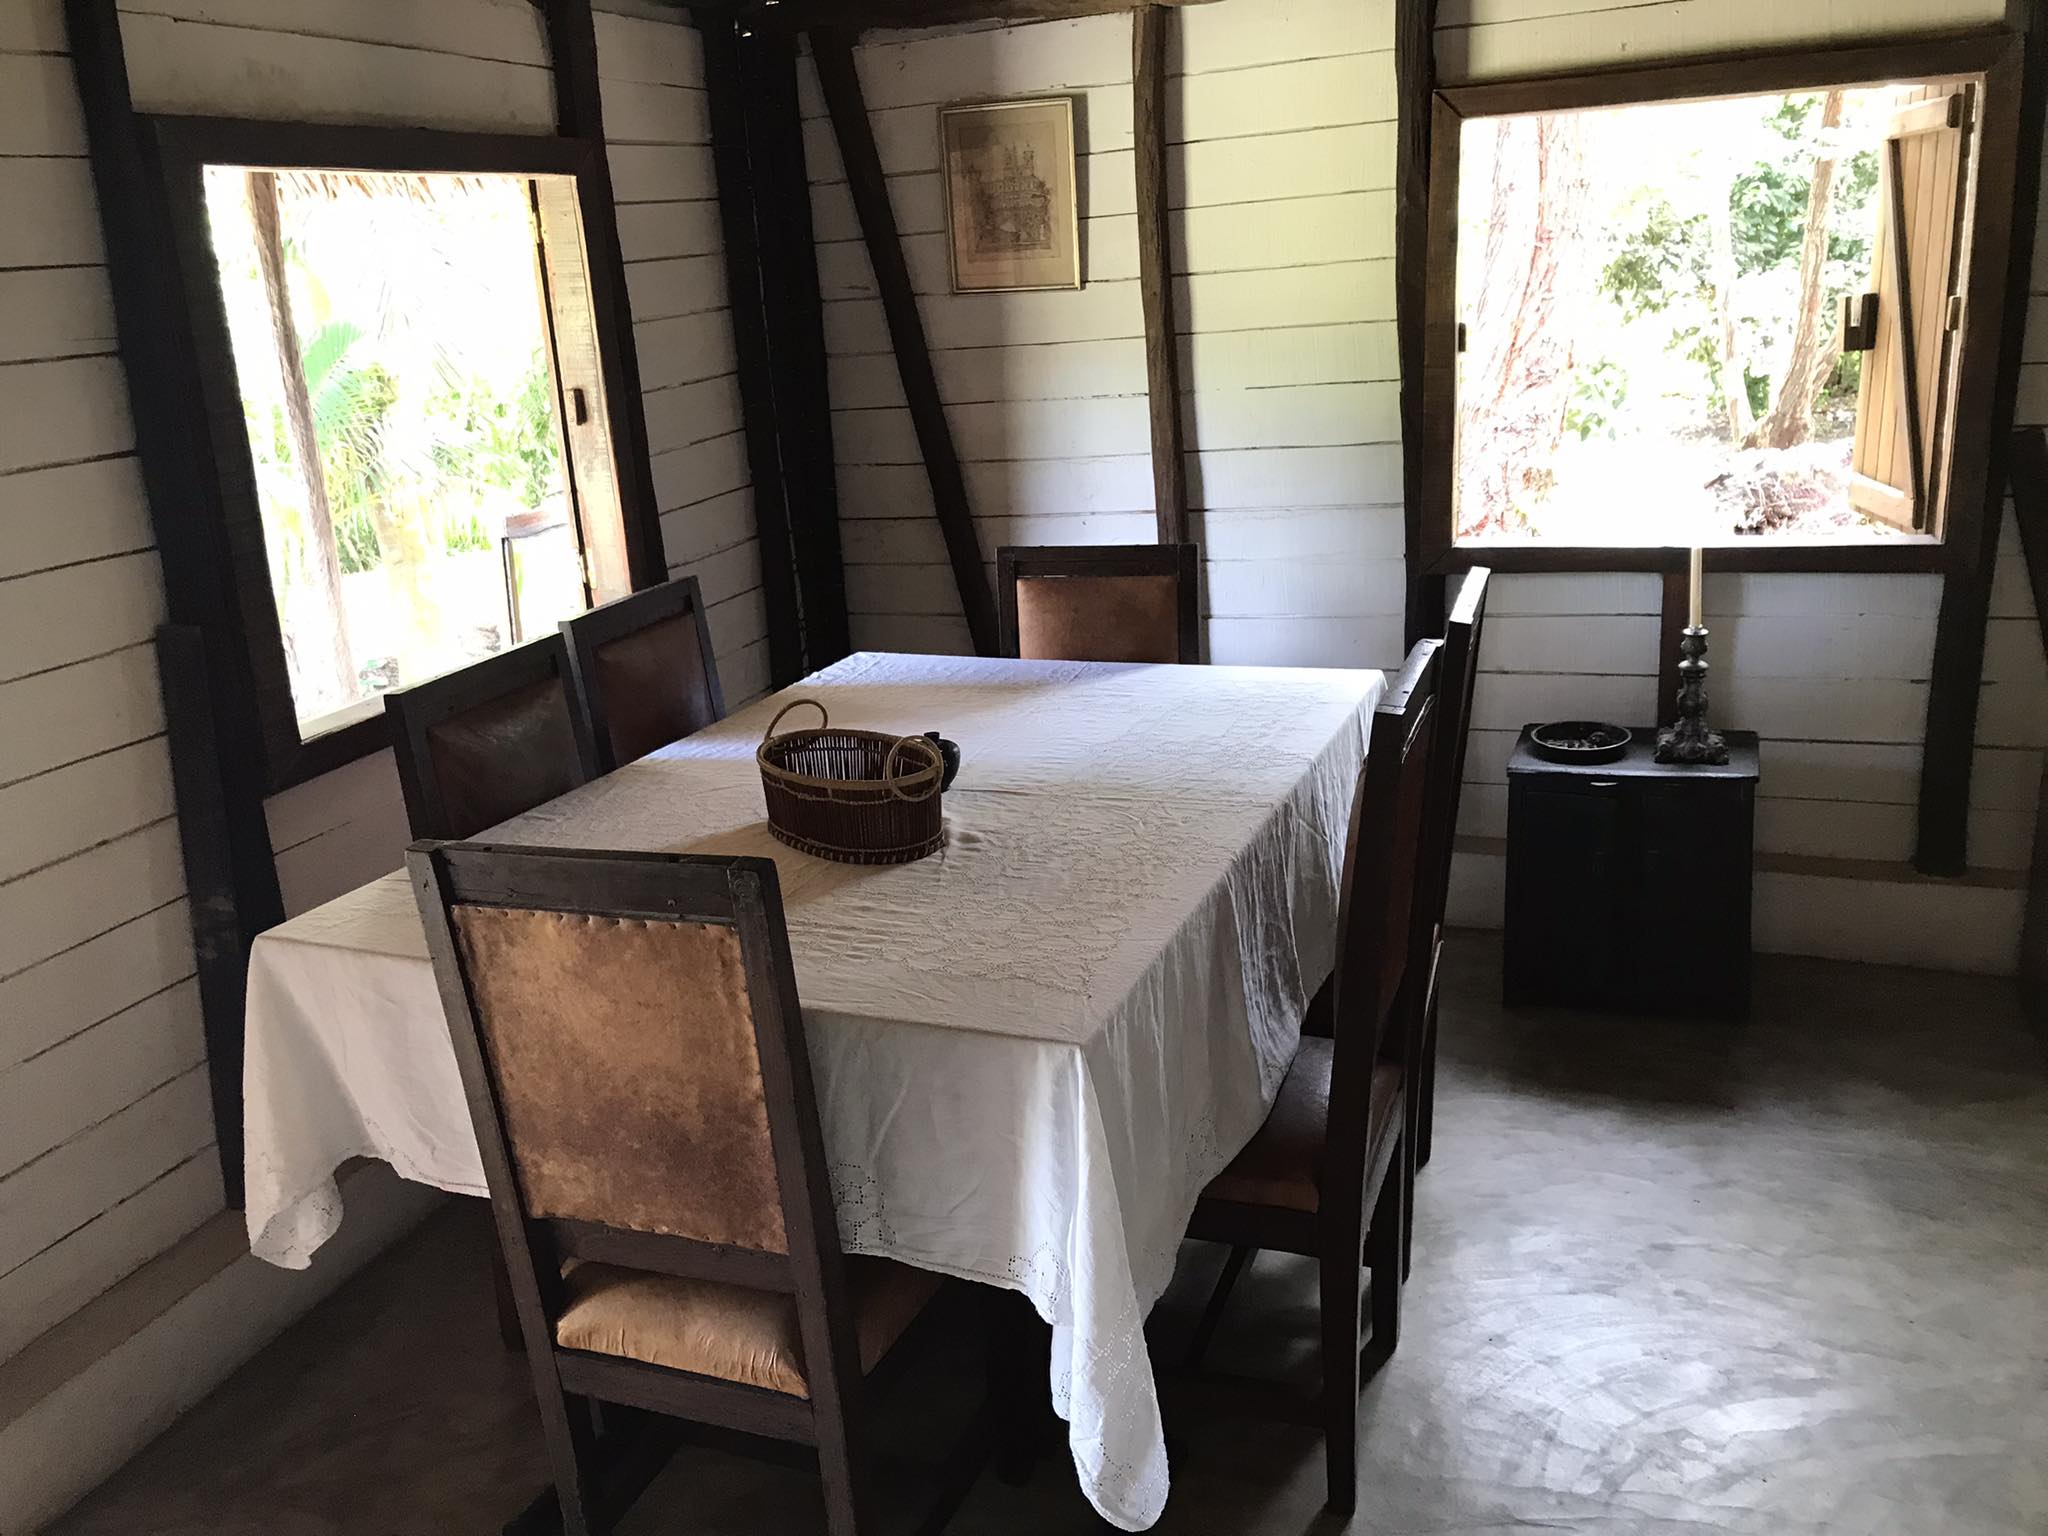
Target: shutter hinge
column 1955, row 312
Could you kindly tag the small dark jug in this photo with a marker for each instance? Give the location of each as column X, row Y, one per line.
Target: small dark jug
column 950, row 751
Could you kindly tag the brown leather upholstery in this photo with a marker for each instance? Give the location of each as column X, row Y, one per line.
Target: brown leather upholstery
column 1283, row 1164
column 505, row 756
column 729, row 1331
column 623, row 1050
column 656, row 688
column 1098, row 618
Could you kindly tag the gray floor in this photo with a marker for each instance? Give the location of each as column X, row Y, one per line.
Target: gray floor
column 1781, row 1278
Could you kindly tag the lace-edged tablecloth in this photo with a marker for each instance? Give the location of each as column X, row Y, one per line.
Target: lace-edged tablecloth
column 1031, row 1049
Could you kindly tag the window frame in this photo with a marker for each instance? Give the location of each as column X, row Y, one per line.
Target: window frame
column 1995, row 55
column 225, row 514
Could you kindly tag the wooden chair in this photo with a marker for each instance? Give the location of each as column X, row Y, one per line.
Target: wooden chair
column 633, row 1053
column 1440, row 832
column 1099, row 602
column 645, row 669
column 1326, row 1176
column 494, row 739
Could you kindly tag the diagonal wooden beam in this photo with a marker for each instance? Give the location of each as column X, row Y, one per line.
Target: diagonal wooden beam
column 1415, row 91
column 1956, row 678
column 1149, row 30
column 579, row 114
column 833, row 53
column 733, row 150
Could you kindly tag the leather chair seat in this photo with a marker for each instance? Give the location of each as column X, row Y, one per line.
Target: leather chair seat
column 1282, row 1165
column 730, row 1332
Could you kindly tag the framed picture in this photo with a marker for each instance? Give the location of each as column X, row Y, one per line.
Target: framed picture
column 1011, row 214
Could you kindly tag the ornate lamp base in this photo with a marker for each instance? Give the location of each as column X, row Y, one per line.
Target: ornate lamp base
column 1691, row 740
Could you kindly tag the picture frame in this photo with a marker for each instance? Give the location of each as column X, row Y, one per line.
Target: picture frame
column 1012, row 199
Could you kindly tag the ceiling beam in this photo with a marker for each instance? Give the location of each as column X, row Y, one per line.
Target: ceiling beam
column 851, row 16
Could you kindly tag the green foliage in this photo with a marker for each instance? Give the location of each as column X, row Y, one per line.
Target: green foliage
column 509, row 443
column 1599, row 391
column 1664, row 260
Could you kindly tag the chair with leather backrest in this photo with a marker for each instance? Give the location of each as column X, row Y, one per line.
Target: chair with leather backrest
column 645, row 669
column 1327, row 1173
column 1440, row 831
column 632, row 1049
column 494, row 739
column 1099, row 602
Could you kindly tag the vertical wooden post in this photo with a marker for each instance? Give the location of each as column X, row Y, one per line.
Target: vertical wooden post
column 1677, row 608
column 2030, row 511
column 1149, row 24
column 1957, row 675
column 764, row 396
column 579, row 114
column 216, row 745
column 833, row 54
column 1414, row 91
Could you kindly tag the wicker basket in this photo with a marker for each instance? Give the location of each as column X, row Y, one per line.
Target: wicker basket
column 860, row 797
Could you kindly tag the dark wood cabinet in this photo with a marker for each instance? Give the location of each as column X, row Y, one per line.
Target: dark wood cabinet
column 1629, row 882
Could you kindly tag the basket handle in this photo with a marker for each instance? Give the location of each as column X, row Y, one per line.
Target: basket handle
column 894, row 785
column 824, row 716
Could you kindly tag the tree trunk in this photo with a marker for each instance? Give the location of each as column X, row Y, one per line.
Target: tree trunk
column 327, row 669
column 1812, row 357
column 1519, row 367
column 1734, row 377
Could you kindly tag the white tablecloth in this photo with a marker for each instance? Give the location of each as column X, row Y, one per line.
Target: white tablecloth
column 1031, row 1050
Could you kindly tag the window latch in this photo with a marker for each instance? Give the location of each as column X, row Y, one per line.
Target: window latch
column 579, row 407
column 1461, row 336
column 1859, row 323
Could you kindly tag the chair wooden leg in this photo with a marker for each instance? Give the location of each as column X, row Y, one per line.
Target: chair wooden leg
column 1383, row 1244
column 566, row 1431
column 1340, row 1297
column 1212, row 1314
column 841, row 1468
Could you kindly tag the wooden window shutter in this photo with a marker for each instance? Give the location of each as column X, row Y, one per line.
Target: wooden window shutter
column 579, row 388
column 1903, row 402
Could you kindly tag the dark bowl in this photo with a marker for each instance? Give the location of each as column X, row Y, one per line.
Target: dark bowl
column 1580, row 741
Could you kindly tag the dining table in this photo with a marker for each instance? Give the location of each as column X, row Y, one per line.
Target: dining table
column 1031, row 1049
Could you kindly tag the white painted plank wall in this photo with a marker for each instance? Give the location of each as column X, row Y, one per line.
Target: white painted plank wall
column 1831, row 670
column 1045, row 391
column 658, row 127
column 106, row 1138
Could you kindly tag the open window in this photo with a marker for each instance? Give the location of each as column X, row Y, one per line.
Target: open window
column 1751, row 304
column 410, row 405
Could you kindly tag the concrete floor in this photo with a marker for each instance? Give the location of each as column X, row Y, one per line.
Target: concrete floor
column 1784, row 1277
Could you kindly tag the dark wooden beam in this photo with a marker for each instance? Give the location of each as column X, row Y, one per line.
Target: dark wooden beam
column 1957, row 677
column 1677, row 610
column 851, row 16
column 2030, row 511
column 579, row 114
column 215, row 739
column 1149, row 31
column 763, row 396
column 832, row 51
column 1414, row 92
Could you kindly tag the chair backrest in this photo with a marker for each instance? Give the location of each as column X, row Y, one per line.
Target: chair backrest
column 1378, row 901
column 645, row 669
column 489, row 741
column 633, row 1054
column 1099, row 602
column 1460, row 675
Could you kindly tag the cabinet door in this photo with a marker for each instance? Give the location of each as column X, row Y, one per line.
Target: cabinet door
column 1692, row 950
column 1566, row 874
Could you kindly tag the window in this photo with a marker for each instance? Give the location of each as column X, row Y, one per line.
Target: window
column 1735, row 305
column 391, row 349
column 400, row 340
